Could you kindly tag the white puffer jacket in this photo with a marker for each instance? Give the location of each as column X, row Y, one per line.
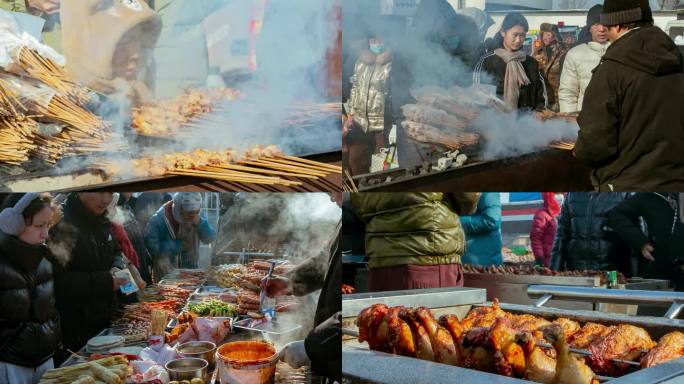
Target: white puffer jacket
column 576, row 74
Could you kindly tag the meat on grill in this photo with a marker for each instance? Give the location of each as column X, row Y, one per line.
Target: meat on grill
column 517, row 345
column 625, row 342
column 670, row 347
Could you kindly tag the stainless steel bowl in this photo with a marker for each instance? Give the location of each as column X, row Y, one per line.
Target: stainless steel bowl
column 187, row 369
column 199, row 349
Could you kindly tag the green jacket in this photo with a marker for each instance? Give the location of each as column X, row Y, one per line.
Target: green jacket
column 413, row 228
column 52, row 31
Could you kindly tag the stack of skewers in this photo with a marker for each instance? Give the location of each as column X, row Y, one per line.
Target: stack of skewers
column 566, row 145
column 260, row 165
column 308, row 113
column 36, row 89
column 51, row 74
column 16, row 130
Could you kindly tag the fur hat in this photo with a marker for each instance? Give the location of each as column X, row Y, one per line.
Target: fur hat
column 621, row 12
column 12, row 218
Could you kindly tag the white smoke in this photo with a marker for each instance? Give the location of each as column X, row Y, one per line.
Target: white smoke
column 510, row 135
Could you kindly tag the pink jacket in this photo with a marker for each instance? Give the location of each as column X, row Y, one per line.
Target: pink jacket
column 543, row 232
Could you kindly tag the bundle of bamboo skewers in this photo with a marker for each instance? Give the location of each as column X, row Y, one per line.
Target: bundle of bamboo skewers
column 565, row 145
column 23, row 92
column 49, row 73
column 16, row 130
column 17, row 139
column 110, row 370
column 260, row 165
column 348, row 184
column 302, row 114
column 268, row 170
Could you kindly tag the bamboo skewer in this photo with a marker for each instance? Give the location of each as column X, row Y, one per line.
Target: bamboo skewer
column 231, row 177
column 564, row 145
column 261, row 170
column 298, row 165
column 282, row 167
column 49, row 73
column 336, row 168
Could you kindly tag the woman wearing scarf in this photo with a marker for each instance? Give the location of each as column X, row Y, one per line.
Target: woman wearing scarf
column 544, row 227
column 515, row 74
column 174, row 233
column 29, row 322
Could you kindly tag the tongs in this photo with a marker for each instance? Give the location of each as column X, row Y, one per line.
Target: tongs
column 262, row 293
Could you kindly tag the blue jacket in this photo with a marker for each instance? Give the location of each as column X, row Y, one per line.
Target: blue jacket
column 483, row 232
column 163, row 245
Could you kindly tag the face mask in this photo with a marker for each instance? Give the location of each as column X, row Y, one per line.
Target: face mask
column 377, row 48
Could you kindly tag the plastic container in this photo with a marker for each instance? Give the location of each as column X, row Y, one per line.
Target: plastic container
column 247, row 362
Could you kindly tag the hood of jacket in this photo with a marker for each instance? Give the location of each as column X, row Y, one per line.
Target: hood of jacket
column 647, row 50
column 93, row 29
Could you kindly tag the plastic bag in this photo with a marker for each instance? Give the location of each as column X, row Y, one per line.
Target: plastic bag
column 206, row 329
column 148, row 373
column 165, row 354
column 12, row 39
column 29, row 91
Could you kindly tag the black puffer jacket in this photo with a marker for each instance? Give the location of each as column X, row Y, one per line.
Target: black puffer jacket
column 29, row 323
column 85, row 251
column 323, row 344
column 665, row 233
column 581, row 242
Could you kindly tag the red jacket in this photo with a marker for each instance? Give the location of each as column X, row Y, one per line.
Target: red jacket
column 121, row 237
column 543, row 232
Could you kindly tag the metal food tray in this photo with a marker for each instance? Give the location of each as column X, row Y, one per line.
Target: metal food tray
column 361, row 363
column 73, row 359
column 174, row 281
column 174, row 321
column 432, row 298
column 205, row 289
column 273, row 327
column 195, row 298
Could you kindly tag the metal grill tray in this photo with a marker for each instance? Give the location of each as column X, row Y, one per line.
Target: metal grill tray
column 274, row 327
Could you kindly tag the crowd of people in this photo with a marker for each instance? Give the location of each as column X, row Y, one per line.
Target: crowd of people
column 59, row 256
column 623, row 76
column 421, row 240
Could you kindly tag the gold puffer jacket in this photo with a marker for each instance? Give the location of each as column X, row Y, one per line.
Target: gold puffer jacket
column 370, row 90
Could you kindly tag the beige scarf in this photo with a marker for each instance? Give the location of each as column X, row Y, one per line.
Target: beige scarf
column 515, row 75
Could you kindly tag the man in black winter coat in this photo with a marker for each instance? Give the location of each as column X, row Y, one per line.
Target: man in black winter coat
column 86, row 258
column 662, row 248
column 581, row 241
column 632, row 120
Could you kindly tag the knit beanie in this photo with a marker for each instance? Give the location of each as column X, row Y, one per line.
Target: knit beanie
column 621, row 12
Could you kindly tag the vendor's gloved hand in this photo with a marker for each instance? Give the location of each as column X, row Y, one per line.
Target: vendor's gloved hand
column 294, row 354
